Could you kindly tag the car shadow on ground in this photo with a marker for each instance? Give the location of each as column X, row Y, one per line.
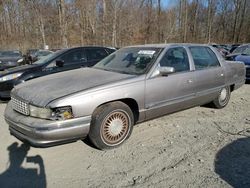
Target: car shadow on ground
column 17, row 176
column 88, row 142
column 232, row 163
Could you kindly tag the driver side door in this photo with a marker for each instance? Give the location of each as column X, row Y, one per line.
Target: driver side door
column 72, row 59
column 166, row 94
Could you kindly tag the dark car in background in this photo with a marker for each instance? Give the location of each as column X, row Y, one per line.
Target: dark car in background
column 9, row 59
column 245, row 58
column 222, row 49
column 237, row 51
column 233, row 47
column 63, row 60
column 40, row 54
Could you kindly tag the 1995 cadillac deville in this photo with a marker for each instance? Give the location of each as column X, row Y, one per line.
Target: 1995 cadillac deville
column 132, row 85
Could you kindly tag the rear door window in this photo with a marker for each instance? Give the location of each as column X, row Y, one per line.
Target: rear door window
column 204, row 57
column 96, row 54
column 74, row 57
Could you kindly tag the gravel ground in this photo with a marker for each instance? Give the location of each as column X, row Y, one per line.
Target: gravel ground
column 199, row 147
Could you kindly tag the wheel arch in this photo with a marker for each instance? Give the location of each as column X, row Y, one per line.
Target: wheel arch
column 132, row 104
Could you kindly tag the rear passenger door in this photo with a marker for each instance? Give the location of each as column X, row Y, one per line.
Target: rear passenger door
column 208, row 72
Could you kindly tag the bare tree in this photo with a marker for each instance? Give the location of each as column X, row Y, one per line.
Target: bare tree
column 62, row 22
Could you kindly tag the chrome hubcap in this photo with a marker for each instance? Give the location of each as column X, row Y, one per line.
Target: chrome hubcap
column 223, row 94
column 115, row 127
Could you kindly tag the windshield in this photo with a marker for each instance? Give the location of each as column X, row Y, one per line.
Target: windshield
column 133, row 60
column 43, row 53
column 246, row 51
column 239, row 49
column 10, row 54
column 49, row 57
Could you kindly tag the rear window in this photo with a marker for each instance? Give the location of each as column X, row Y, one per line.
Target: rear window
column 204, row 57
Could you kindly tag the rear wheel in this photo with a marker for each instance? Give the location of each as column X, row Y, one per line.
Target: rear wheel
column 223, row 98
column 111, row 125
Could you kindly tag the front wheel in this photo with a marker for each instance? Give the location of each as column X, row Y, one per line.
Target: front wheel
column 111, row 125
column 223, row 98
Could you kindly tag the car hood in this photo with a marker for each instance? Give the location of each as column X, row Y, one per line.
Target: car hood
column 45, row 89
column 11, row 59
column 18, row 69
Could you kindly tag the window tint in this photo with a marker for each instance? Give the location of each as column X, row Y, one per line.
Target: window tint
column 177, row 58
column 75, row 56
column 96, row 54
column 204, row 57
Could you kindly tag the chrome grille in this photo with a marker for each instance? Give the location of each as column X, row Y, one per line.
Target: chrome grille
column 20, row 106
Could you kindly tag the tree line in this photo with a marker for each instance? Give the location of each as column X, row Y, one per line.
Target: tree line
column 65, row 23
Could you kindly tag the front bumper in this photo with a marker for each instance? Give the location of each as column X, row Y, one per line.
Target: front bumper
column 5, row 88
column 44, row 133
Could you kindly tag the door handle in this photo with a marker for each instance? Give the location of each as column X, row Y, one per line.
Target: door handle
column 189, row 81
column 221, row 74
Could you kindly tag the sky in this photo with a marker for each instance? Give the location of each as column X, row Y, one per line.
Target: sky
column 168, row 3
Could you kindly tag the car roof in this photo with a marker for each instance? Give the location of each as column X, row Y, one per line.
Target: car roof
column 85, row 47
column 168, row 45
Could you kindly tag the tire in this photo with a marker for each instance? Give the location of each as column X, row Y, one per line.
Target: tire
column 111, row 125
column 223, row 98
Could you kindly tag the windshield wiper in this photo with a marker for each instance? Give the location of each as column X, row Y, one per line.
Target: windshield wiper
column 113, row 70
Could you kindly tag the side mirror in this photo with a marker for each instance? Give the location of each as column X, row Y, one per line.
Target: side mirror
column 165, row 71
column 59, row 63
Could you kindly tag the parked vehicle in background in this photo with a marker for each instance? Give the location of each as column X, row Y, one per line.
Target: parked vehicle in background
column 238, row 51
column 132, row 85
column 55, row 49
column 63, row 60
column 40, row 54
column 9, row 59
column 233, row 47
column 245, row 58
column 222, row 49
column 28, row 57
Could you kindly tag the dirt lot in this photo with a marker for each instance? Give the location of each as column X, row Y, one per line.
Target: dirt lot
column 199, row 147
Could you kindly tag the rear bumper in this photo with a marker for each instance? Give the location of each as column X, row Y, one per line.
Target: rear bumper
column 44, row 133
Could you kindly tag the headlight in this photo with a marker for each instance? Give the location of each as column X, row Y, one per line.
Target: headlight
column 10, row 77
column 44, row 113
column 20, row 60
column 62, row 113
